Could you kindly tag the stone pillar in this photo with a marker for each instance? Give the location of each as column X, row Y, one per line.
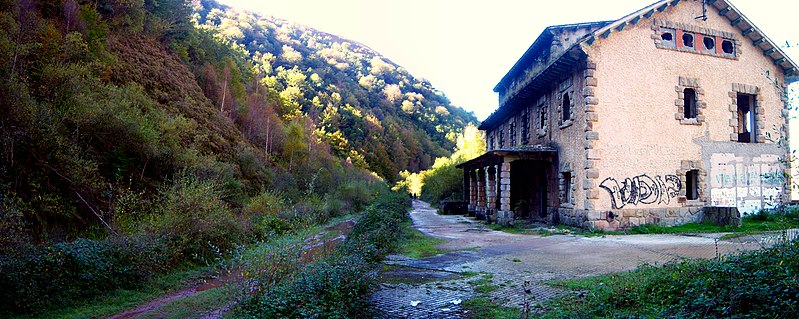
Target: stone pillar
column 491, row 192
column 481, row 199
column 472, row 191
column 505, row 215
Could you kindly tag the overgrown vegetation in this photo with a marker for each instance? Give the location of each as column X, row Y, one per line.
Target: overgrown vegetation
column 138, row 137
column 758, row 284
column 280, row 281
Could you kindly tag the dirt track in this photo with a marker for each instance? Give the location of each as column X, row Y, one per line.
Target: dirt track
column 513, row 259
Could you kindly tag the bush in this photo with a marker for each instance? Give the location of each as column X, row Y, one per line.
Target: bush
column 66, row 272
column 336, row 286
column 195, row 219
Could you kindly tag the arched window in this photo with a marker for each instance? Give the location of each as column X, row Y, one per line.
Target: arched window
column 689, row 99
column 567, row 112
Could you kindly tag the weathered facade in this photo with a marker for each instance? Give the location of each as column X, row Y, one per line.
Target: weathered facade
column 646, row 119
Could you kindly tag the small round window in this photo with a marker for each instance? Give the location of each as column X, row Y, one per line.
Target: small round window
column 727, row 47
column 709, row 42
column 688, row 40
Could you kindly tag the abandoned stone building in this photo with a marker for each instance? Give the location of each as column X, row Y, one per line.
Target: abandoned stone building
column 646, row 119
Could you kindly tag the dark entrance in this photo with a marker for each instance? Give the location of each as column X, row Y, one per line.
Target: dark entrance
column 529, row 188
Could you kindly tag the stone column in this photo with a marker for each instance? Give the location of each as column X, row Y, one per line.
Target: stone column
column 505, row 214
column 481, row 199
column 472, row 192
column 491, row 192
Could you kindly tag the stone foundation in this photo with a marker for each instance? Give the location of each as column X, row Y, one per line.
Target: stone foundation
column 618, row 219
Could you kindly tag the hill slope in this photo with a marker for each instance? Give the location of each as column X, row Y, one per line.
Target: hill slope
column 363, row 104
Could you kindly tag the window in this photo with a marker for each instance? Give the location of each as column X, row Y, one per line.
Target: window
column 727, row 47
column 491, row 145
column 542, row 117
column 688, row 40
column 667, row 36
column 512, row 132
column 747, row 121
column 566, row 178
column 692, row 184
column 501, row 136
column 710, row 44
column 567, row 112
column 689, row 100
column 525, row 126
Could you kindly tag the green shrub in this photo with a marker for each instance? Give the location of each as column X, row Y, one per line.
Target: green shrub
column 336, row 287
column 194, row 218
column 60, row 274
column 278, row 285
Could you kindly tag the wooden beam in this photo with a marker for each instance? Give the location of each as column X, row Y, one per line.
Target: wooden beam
column 748, row 31
column 621, row 26
column 649, row 14
column 663, row 7
column 605, row 34
column 758, row 42
column 769, row 51
column 737, row 21
column 779, row 61
column 724, row 11
column 635, row 20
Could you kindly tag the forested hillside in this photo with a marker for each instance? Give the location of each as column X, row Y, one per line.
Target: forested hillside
column 138, row 135
column 365, row 106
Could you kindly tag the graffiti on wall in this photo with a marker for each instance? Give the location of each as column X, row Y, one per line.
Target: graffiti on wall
column 642, row 189
column 748, row 183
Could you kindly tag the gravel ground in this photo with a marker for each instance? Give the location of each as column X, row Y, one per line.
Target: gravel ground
column 434, row 287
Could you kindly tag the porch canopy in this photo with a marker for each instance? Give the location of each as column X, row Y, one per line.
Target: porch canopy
column 487, row 179
column 497, row 156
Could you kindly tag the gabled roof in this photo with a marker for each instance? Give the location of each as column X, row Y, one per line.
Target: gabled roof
column 725, row 9
column 605, row 29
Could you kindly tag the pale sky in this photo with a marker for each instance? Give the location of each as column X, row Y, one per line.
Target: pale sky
column 464, row 47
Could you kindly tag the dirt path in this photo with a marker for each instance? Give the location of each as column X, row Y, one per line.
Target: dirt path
column 510, row 260
column 315, row 246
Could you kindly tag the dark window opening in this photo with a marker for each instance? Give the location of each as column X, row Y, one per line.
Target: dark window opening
column 567, row 186
column 512, row 132
column 689, row 99
column 710, row 43
column 667, row 36
column 692, row 185
column 491, row 145
column 727, row 46
column 566, row 107
column 501, row 137
column 542, row 117
column 688, row 40
column 747, row 119
column 525, row 126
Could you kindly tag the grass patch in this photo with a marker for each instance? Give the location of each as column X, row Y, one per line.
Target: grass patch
column 528, row 229
column 484, row 308
column 758, row 284
column 484, row 284
column 418, row 245
column 190, row 307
